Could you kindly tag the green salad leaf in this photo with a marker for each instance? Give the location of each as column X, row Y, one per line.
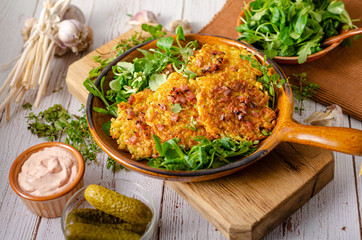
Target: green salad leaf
column 206, row 154
column 292, row 28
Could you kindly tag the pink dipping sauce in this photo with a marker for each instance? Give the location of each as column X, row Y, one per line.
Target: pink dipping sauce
column 48, row 171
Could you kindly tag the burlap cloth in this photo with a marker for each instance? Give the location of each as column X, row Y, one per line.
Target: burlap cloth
column 339, row 73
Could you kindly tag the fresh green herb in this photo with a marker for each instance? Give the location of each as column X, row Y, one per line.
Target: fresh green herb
column 265, row 133
column 92, row 88
column 27, row 106
column 303, row 91
column 207, row 154
column 192, row 124
column 127, row 80
column 106, row 127
column 168, row 53
column 269, row 81
column 55, row 121
column 112, row 164
column 292, row 28
column 124, row 45
column 156, row 80
column 57, row 90
column 176, row 108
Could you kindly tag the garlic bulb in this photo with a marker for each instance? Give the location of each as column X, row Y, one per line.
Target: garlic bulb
column 184, row 24
column 74, row 35
column 142, row 17
column 74, row 12
column 28, row 26
column 332, row 116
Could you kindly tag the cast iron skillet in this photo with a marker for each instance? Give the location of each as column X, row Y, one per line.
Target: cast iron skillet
column 286, row 130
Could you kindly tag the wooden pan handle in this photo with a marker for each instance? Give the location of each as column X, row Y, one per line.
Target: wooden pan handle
column 345, row 140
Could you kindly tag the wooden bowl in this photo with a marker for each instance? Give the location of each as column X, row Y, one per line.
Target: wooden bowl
column 340, row 139
column 294, row 60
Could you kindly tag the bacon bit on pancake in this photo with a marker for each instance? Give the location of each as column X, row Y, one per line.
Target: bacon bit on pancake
column 131, row 99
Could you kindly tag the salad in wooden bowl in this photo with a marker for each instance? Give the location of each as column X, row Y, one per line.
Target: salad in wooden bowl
column 292, row 32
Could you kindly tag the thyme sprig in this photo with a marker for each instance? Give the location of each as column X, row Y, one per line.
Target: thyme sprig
column 55, row 123
column 304, row 90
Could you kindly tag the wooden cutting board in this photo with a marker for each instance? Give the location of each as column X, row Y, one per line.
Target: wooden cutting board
column 249, row 203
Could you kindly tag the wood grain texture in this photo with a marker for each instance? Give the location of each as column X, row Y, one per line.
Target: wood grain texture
column 330, row 214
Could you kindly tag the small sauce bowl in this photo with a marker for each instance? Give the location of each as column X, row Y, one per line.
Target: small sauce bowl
column 46, row 206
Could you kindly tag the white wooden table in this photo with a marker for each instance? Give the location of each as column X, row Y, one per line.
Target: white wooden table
column 334, row 213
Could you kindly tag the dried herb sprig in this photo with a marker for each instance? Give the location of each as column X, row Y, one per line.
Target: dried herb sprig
column 304, row 90
column 56, row 123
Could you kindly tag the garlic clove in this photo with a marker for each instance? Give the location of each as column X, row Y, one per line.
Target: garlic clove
column 73, row 12
column 74, row 35
column 142, row 16
column 28, row 26
column 332, row 116
column 84, row 45
column 186, row 26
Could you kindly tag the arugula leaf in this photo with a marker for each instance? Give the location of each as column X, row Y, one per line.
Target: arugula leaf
column 180, row 34
column 206, row 154
column 92, row 88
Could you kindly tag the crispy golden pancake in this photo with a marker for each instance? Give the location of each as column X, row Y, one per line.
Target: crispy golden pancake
column 224, row 100
column 130, row 129
column 168, row 123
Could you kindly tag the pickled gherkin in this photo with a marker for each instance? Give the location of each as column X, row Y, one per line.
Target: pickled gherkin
column 85, row 231
column 89, row 215
column 128, row 209
column 97, row 217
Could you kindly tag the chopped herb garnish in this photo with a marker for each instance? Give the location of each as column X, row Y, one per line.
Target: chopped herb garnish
column 192, row 124
column 176, row 108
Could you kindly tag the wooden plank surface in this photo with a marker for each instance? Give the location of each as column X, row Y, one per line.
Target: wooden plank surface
column 331, row 214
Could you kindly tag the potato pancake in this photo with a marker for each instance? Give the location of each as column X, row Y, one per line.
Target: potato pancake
column 223, row 100
column 130, row 129
column 168, row 123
